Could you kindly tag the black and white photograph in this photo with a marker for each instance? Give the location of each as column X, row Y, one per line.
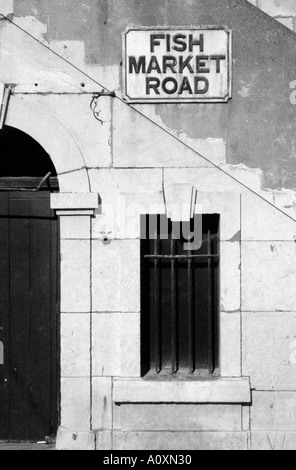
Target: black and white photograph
column 148, row 228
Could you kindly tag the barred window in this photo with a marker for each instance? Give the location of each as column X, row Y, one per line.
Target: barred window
column 179, row 297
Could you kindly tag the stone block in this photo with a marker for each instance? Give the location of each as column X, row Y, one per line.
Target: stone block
column 116, row 276
column 246, row 418
column 278, row 8
column 131, row 148
column 104, row 440
column 182, row 441
column 116, row 344
column 75, row 404
column 106, row 333
column 177, row 418
column 75, row 227
column 130, row 344
column 75, row 276
column 285, row 200
column 230, row 344
column 75, row 345
column 230, row 391
column 102, row 403
column 268, row 276
column 108, row 182
column 273, row 441
column 263, row 222
column 269, row 350
column 273, row 411
column 74, row 201
column 69, row 182
column 230, row 280
column 73, row 440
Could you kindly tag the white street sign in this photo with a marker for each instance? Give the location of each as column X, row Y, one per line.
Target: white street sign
column 177, row 65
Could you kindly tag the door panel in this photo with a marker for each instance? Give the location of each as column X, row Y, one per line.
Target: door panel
column 19, row 312
column 4, row 319
column 28, row 314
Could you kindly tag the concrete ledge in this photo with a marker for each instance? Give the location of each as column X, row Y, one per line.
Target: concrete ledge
column 74, row 201
column 200, row 391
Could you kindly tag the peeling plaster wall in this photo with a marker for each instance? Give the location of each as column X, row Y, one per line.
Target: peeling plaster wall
column 283, row 11
column 257, row 126
column 6, row 7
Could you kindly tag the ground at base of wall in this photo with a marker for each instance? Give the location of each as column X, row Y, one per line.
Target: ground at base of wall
column 26, row 446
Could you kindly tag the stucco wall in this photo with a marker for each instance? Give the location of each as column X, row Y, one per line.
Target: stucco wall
column 282, row 10
column 130, row 158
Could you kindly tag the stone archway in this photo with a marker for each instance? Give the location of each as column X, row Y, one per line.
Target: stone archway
column 54, row 138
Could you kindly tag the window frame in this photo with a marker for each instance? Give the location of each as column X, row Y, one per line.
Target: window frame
column 231, row 386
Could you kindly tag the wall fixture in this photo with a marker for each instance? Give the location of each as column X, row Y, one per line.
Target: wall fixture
column 94, row 103
column 5, row 93
column 180, row 202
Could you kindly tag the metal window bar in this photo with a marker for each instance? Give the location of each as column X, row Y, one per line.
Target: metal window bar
column 157, row 331
column 191, row 315
column 210, row 305
column 174, row 306
column 211, row 257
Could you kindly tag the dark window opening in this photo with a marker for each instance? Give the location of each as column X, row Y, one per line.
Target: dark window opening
column 179, row 300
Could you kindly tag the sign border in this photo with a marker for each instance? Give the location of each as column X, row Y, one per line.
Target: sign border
column 175, row 100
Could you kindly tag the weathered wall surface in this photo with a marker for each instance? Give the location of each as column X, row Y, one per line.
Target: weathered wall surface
column 283, row 11
column 89, row 35
column 129, row 158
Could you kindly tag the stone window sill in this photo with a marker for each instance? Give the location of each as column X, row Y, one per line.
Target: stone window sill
column 230, row 391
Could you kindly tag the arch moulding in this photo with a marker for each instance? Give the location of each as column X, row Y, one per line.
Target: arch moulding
column 50, row 133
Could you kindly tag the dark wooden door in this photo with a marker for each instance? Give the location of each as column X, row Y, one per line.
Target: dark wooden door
column 28, row 316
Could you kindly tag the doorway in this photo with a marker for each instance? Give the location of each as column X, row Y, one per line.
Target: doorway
column 29, row 286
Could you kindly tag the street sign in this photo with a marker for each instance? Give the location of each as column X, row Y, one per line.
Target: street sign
column 177, row 65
